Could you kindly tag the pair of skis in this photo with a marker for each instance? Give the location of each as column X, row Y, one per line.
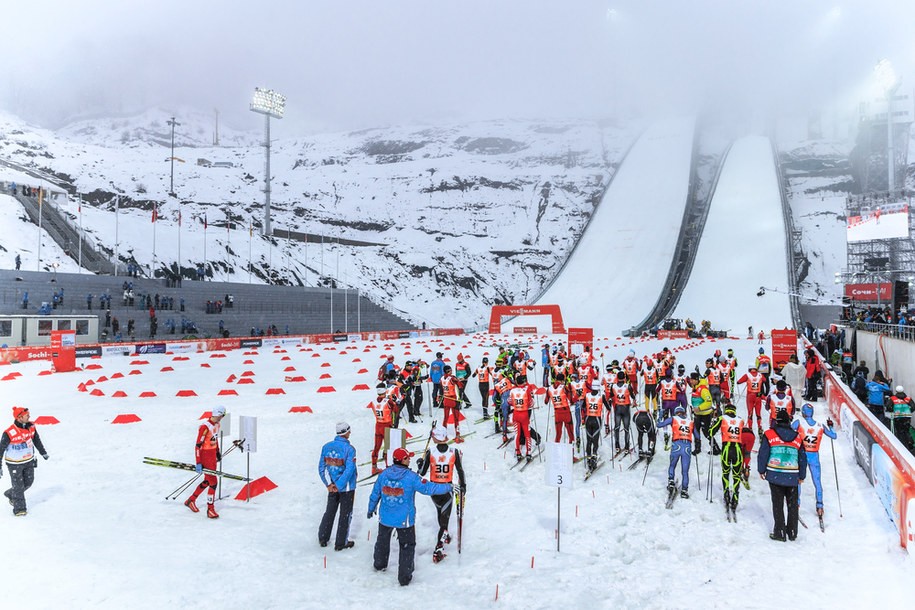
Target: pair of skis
column 191, row 467
column 591, row 471
column 525, row 461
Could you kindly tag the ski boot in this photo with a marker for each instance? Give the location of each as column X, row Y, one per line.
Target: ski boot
column 349, row 544
column 190, row 503
column 375, row 470
column 671, row 485
column 485, row 414
column 529, row 457
column 446, row 538
column 592, row 463
column 518, row 456
column 820, row 512
column 684, row 494
column 211, row 512
column 438, row 555
column 20, row 513
column 698, row 449
column 577, row 449
column 716, row 450
column 606, row 429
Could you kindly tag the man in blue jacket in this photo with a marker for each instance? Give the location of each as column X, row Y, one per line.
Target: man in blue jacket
column 782, row 462
column 395, row 489
column 436, row 369
column 337, row 469
column 877, row 391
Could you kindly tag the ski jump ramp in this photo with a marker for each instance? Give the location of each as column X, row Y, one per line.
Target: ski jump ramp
column 615, row 273
column 743, row 248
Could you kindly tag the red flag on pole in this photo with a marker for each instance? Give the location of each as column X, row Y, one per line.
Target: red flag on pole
column 155, row 213
column 179, row 218
column 204, row 221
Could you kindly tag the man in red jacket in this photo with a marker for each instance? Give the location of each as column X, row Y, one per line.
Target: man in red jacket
column 207, row 454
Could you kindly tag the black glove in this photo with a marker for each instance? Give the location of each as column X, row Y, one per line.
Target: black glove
column 45, row 455
column 219, row 456
column 463, row 488
column 829, row 423
column 370, row 515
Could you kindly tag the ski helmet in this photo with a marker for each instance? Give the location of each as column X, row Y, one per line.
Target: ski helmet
column 730, row 409
column 447, row 368
column 807, row 410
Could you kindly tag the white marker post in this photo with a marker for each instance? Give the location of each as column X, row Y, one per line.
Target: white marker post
column 225, row 427
column 559, row 474
column 247, row 429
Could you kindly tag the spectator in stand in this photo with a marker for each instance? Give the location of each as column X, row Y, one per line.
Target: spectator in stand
column 18, row 262
column 89, row 302
column 115, row 325
column 25, row 299
column 181, row 303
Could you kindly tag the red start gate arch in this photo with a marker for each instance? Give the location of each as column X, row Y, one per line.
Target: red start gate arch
column 495, row 318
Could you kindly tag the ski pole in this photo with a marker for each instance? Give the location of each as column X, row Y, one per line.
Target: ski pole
column 835, row 471
column 184, row 487
column 647, row 464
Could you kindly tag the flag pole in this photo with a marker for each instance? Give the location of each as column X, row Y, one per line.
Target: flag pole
column 80, row 208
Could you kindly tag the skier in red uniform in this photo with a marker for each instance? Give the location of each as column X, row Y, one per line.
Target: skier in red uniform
column 207, row 454
column 521, row 400
column 383, row 409
column 754, row 383
column 558, row 394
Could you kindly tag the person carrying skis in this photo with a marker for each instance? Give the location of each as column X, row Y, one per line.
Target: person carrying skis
column 17, row 446
column 337, row 469
column 681, row 451
column 672, row 395
column 207, row 455
column 521, row 399
column 484, row 374
column 811, row 432
column 732, row 455
column 594, row 405
column 558, row 395
column 393, row 496
column 703, row 409
column 383, row 410
column 782, row 462
column 441, row 462
column 754, row 383
column 622, row 402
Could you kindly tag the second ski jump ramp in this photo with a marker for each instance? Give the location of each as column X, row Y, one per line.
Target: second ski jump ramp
column 614, row 276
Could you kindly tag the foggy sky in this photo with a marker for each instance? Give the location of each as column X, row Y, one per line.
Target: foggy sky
column 362, row 63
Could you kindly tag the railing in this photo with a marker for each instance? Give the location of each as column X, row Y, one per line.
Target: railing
column 791, row 257
column 906, row 333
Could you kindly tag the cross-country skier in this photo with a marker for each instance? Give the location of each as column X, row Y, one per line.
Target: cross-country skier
column 207, row 454
column 558, row 395
column 703, row 409
column 462, row 373
column 811, row 432
column 17, row 446
column 441, row 462
column 501, row 387
column 594, row 405
column 483, row 375
column 713, row 380
column 732, row 456
column 383, row 410
column 578, row 387
column 780, row 401
column 651, row 375
column 681, row 451
column 764, row 366
column 672, row 395
column 521, row 399
column 622, row 402
column 451, row 401
column 754, row 383
column 644, row 424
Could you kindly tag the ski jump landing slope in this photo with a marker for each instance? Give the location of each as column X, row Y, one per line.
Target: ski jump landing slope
column 742, row 248
column 614, row 275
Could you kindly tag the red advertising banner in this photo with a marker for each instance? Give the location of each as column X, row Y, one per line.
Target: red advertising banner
column 495, row 317
column 581, row 336
column 868, row 292
column 784, row 343
column 673, row 334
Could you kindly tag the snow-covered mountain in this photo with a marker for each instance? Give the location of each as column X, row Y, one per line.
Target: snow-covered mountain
column 466, row 216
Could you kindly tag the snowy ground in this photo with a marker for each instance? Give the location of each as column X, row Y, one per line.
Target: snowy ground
column 100, row 533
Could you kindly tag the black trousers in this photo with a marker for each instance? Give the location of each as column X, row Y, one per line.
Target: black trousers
column 780, row 495
column 645, row 426
column 21, row 476
column 443, row 504
column 417, row 400
column 406, row 538
column 484, row 395
column 343, row 500
column 592, row 432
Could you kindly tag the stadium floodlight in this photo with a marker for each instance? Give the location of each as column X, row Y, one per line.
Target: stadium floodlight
column 270, row 104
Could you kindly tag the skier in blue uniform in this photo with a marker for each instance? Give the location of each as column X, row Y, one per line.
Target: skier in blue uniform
column 812, row 433
column 681, row 451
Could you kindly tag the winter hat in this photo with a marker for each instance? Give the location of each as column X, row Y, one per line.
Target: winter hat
column 899, row 389
column 17, row 411
column 342, row 428
column 680, row 411
column 400, row 454
column 220, row 410
column 440, row 433
column 782, row 417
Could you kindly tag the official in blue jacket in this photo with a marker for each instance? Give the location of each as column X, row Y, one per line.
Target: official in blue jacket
column 337, row 469
column 395, row 490
column 782, row 462
column 436, row 370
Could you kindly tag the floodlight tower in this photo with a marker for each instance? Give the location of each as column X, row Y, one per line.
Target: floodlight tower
column 887, row 80
column 270, row 104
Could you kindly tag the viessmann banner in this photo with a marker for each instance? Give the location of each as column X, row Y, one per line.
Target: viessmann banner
column 868, row 292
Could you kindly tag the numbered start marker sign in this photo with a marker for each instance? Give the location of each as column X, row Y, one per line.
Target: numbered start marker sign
column 559, row 465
